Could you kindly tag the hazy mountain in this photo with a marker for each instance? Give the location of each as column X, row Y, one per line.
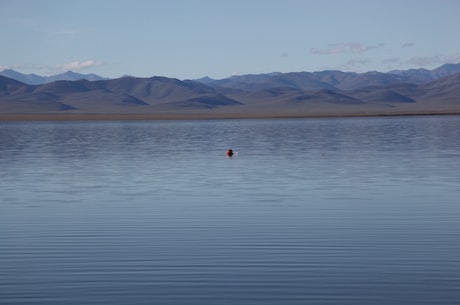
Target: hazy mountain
column 415, row 75
column 275, row 94
column 256, row 82
column 31, row 79
column 69, row 75
column 34, row 79
column 334, row 80
column 423, row 75
column 205, row 80
column 445, row 70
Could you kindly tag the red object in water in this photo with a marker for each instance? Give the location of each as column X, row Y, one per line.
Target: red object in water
column 229, row 152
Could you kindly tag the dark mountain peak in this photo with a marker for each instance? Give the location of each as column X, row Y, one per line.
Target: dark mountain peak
column 422, row 70
column 168, row 80
column 164, row 78
column 373, row 73
column 328, row 72
column 69, row 73
column 204, row 80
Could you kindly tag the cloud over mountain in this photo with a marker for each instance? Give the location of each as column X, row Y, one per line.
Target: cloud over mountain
column 78, row 65
column 425, row 61
column 407, row 45
column 345, row 47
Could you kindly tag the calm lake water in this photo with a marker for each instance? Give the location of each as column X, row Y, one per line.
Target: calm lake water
column 309, row 211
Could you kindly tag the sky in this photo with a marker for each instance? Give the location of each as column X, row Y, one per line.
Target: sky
column 189, row 39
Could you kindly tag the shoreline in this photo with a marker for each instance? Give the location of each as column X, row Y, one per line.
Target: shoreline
column 152, row 117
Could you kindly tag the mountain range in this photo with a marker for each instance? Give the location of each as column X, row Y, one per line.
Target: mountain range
column 331, row 79
column 34, row 79
column 294, row 94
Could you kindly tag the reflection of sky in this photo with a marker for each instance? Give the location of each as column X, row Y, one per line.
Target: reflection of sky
column 340, row 157
column 360, row 208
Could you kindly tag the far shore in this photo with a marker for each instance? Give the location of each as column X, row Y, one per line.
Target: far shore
column 129, row 117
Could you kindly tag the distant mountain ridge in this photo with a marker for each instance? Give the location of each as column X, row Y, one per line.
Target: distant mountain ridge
column 330, row 79
column 262, row 95
column 424, row 75
column 34, row 79
column 327, row 79
column 108, row 96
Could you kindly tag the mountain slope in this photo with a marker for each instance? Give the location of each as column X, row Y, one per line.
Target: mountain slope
column 381, row 95
column 9, row 86
column 447, row 89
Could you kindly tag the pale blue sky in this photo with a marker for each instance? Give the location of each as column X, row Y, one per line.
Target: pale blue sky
column 192, row 38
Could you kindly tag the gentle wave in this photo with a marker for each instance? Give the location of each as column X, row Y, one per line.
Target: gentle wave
column 317, row 211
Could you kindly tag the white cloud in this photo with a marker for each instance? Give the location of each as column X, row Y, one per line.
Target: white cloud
column 345, row 47
column 407, row 45
column 452, row 59
column 423, row 61
column 391, row 63
column 360, row 48
column 392, row 60
column 426, row 61
column 358, row 62
column 78, row 65
column 52, row 69
column 24, row 68
column 331, row 49
column 355, row 64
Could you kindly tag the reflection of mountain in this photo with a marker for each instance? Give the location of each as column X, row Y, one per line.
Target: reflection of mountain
column 275, row 94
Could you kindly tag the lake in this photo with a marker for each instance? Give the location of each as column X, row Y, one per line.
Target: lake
column 308, row 211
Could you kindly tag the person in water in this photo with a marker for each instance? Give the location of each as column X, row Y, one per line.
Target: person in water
column 229, row 152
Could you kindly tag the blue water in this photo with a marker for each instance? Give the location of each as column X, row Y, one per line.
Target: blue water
column 309, row 211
